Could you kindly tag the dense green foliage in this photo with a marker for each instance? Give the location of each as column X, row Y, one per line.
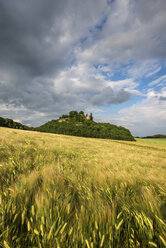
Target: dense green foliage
column 12, row 124
column 79, row 124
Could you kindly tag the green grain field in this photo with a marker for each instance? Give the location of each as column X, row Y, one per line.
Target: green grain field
column 66, row 192
column 151, row 141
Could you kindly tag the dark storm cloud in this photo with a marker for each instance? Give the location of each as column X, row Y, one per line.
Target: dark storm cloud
column 30, row 52
column 36, row 43
column 108, row 96
column 27, row 33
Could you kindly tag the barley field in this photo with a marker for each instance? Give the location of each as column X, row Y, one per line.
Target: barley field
column 66, row 192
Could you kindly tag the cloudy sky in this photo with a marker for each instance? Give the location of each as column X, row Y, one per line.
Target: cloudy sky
column 102, row 56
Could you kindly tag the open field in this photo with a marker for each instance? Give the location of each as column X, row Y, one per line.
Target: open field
column 64, row 191
column 158, row 142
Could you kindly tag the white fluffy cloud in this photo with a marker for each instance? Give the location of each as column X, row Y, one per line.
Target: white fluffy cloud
column 146, row 117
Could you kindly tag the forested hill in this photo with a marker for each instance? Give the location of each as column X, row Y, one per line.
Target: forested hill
column 79, row 124
column 12, row 124
column 76, row 124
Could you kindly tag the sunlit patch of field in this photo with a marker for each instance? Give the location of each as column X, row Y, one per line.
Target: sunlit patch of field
column 158, row 142
column 64, row 191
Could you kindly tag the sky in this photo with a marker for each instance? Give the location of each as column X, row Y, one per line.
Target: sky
column 107, row 57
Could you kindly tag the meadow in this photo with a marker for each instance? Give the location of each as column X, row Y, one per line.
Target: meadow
column 151, row 141
column 64, row 191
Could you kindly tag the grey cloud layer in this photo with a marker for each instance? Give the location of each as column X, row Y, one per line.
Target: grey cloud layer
column 108, row 96
column 134, row 31
column 36, row 42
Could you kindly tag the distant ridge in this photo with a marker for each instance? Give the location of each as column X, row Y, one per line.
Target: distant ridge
column 156, row 136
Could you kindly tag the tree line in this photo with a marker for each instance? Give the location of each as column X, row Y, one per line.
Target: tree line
column 5, row 122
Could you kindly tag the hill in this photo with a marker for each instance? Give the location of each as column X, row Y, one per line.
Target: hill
column 79, row 124
column 63, row 191
column 76, row 124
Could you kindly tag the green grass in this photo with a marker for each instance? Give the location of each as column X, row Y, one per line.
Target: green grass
column 158, row 142
column 64, row 191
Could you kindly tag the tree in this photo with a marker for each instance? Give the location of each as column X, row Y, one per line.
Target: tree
column 73, row 115
column 91, row 117
column 81, row 116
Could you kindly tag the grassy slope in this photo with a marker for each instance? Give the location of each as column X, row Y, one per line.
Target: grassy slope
column 65, row 191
